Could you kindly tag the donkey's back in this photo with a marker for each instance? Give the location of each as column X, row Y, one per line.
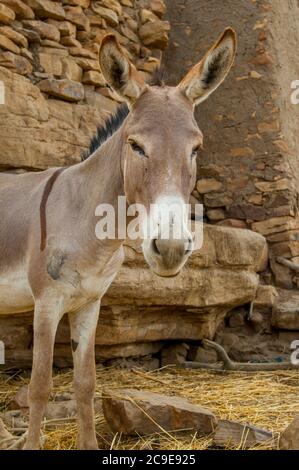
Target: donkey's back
column 20, row 197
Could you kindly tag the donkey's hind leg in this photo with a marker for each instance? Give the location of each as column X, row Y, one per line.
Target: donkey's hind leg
column 83, row 328
column 46, row 318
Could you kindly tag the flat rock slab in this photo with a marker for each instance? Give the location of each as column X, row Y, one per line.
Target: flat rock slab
column 67, row 90
column 232, row 433
column 289, row 439
column 286, row 311
column 133, row 411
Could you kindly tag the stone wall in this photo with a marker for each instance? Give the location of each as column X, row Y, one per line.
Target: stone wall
column 248, row 171
column 55, row 92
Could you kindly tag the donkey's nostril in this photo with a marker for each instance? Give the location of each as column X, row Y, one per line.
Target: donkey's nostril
column 155, row 247
column 189, row 246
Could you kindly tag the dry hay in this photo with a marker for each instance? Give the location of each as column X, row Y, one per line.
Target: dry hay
column 265, row 399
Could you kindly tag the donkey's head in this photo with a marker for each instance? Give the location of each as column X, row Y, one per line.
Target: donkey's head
column 161, row 143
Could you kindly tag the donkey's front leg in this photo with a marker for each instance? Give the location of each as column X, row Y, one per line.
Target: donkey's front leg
column 83, row 327
column 46, row 318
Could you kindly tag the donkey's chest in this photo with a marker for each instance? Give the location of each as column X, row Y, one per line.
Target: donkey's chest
column 76, row 286
column 93, row 283
column 15, row 292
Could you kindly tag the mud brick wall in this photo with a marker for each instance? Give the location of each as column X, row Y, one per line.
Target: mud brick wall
column 55, row 95
column 248, row 173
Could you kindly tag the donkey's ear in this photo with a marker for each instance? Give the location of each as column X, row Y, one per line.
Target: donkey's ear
column 118, row 71
column 210, row 72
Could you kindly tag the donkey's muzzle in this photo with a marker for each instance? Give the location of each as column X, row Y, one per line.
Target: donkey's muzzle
column 171, row 251
column 167, row 256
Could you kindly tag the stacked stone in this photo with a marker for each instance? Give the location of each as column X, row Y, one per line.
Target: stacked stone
column 55, row 95
column 279, row 225
column 56, row 43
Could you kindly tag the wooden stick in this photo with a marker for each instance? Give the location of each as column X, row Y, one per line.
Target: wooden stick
column 287, row 263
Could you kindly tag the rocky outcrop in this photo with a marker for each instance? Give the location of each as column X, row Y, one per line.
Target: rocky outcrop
column 140, row 310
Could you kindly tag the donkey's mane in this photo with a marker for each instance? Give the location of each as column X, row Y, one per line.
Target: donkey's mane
column 106, row 130
column 113, row 123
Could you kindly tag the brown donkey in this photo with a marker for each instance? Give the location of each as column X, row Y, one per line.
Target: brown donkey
column 50, row 258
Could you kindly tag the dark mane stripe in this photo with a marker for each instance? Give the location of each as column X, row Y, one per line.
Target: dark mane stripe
column 106, row 130
column 114, row 122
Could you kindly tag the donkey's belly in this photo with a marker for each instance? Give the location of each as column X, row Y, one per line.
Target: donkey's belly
column 15, row 293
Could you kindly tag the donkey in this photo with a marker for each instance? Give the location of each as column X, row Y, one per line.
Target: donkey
column 50, row 258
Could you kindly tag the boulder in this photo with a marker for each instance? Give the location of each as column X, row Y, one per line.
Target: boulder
column 276, row 225
column 70, row 41
column 47, row 9
column 265, row 297
column 64, row 27
column 269, row 186
column 141, row 412
column 88, row 64
column 174, row 354
column 15, row 63
column 158, row 7
column 289, row 439
column 65, row 89
column 7, row 15
column 76, row 16
column 135, row 350
column 244, row 436
column 233, row 223
column 8, row 45
column 91, row 77
column 202, row 354
column 207, row 185
column 30, row 35
column 217, row 199
column 109, row 15
column 45, row 30
column 14, row 36
column 50, row 63
column 81, row 52
column 285, row 314
column 114, row 5
column 147, row 15
column 71, row 70
column 155, row 34
column 80, row 3
column 20, row 8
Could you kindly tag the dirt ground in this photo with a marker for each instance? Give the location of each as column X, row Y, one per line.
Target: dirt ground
column 267, row 400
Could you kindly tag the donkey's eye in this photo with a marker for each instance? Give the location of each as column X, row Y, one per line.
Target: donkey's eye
column 194, row 153
column 137, row 149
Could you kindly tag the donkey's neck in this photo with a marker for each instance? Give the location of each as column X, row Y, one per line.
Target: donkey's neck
column 102, row 171
column 99, row 180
